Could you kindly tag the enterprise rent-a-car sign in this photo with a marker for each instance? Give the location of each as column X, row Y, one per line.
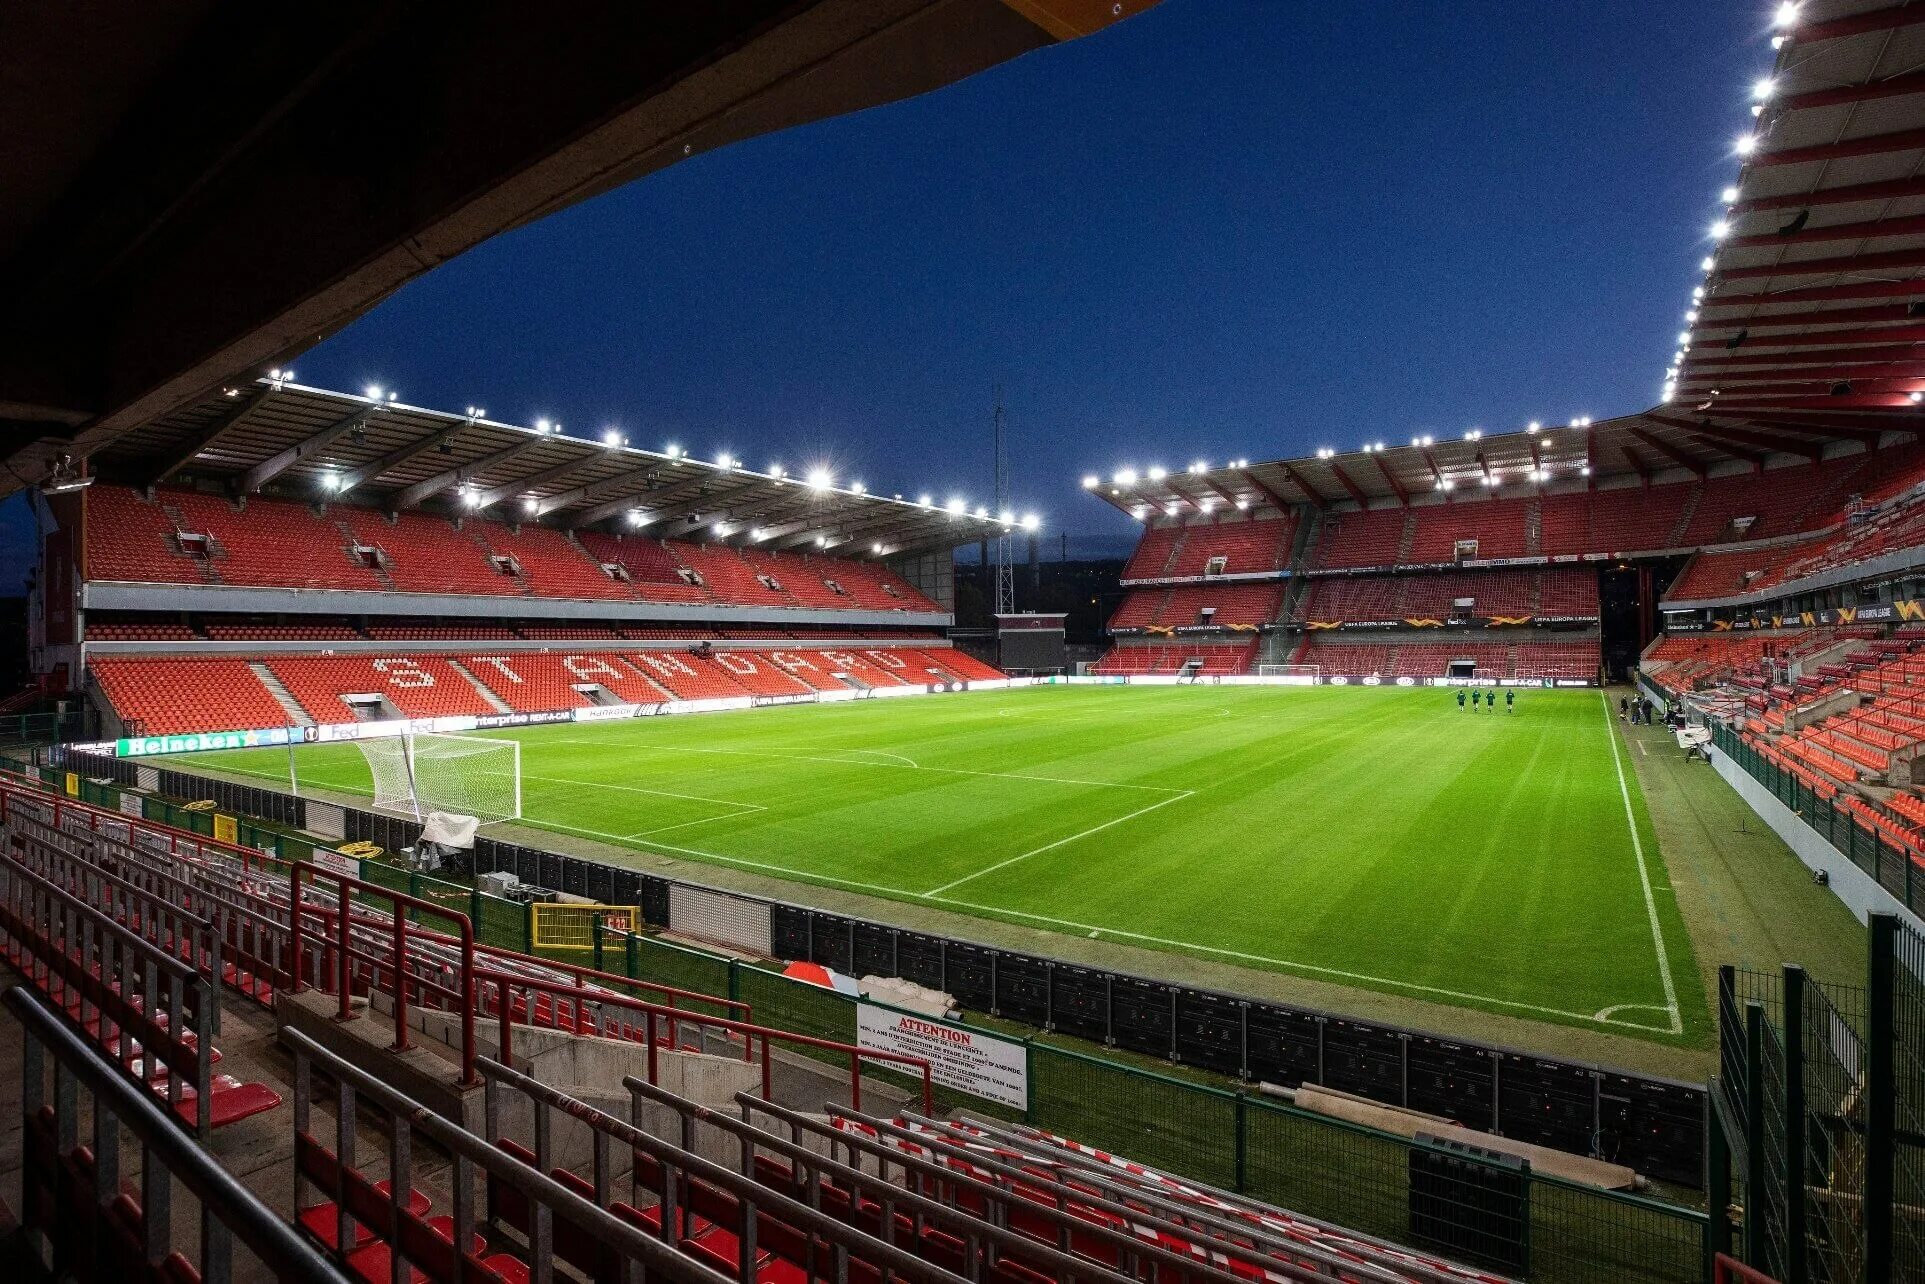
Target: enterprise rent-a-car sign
column 982, row 1065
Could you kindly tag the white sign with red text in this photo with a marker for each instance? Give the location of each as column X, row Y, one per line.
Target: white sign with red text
column 980, row 1064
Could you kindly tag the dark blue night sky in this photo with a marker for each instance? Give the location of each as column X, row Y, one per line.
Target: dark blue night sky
column 1217, row 229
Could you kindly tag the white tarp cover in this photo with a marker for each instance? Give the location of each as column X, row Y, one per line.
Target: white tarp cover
column 445, row 829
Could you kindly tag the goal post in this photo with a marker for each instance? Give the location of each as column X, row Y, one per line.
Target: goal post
column 561, row 925
column 421, row 772
column 1308, row 675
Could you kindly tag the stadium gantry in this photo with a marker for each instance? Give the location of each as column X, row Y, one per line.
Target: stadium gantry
column 367, row 916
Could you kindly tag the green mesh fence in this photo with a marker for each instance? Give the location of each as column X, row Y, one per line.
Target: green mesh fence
column 1164, row 1122
column 794, row 1005
column 666, row 963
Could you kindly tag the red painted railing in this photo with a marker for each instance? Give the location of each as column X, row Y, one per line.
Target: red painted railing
column 567, row 1011
column 345, row 952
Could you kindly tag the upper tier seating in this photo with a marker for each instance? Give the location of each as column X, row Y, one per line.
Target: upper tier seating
column 283, row 544
column 273, row 542
column 1245, row 547
column 653, row 572
column 138, row 631
column 130, row 538
column 1370, row 537
column 1152, row 557
column 551, row 563
column 426, row 554
column 164, row 695
column 1498, row 526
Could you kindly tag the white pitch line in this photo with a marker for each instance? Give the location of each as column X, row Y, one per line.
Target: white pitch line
column 845, row 762
column 637, row 789
column 704, row 820
column 1644, row 874
column 1294, row 966
column 1094, row 829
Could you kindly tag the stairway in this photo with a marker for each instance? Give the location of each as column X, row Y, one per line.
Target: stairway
column 296, row 715
column 205, row 564
column 1176, row 547
column 1684, row 518
column 380, row 569
column 1408, row 538
column 488, row 697
column 1534, row 527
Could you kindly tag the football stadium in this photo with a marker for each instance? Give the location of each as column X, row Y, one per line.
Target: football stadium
column 439, row 847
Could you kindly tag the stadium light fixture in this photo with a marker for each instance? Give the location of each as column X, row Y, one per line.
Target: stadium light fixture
column 1031, row 522
column 373, row 392
column 1006, row 517
column 1745, row 145
column 1242, row 504
column 611, row 439
column 775, row 471
column 529, row 504
column 1091, row 481
column 330, row 482
column 1917, row 397
column 1691, row 317
column 1207, row 505
column 857, row 488
column 1707, row 263
column 982, row 512
column 1585, row 470
column 955, row 506
column 1786, row 15
column 876, row 549
column 925, row 501
column 636, row 517
column 1720, row 229
column 672, row 450
column 1198, row 466
column 1242, row 463
column 1156, row 472
column 1729, row 195
column 1324, row 452
column 1533, row 427
column 1139, row 511
column 1124, row 477
column 822, row 541
column 819, row 478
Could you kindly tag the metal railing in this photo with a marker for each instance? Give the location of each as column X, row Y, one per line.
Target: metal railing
column 389, row 1211
column 340, row 952
column 688, row 1187
column 584, row 1012
column 66, row 1220
column 154, row 1015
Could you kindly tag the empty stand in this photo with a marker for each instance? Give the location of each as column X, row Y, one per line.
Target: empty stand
column 1233, row 547
column 1369, row 537
column 164, row 695
column 418, row 686
column 1497, row 526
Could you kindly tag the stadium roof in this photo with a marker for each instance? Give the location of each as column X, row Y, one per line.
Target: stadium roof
column 1806, row 334
column 375, row 451
column 196, row 192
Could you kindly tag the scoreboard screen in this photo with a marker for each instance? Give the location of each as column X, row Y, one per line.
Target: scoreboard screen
column 1030, row 643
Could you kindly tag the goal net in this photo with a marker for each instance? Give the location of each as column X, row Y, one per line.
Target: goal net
column 1303, row 674
column 432, row 771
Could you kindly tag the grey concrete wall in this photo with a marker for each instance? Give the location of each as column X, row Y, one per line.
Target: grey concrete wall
column 1858, row 890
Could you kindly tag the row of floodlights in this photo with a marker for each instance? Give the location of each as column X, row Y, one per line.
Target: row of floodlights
column 818, row 478
column 1762, row 90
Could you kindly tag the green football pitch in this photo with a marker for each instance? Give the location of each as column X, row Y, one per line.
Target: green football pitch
column 1381, row 838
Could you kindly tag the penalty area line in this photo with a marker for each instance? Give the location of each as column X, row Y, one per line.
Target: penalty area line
column 1046, row 847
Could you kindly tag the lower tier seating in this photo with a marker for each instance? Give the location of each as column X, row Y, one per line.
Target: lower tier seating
column 166, row 695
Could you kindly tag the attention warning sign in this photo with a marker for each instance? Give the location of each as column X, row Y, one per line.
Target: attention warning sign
column 980, row 1064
